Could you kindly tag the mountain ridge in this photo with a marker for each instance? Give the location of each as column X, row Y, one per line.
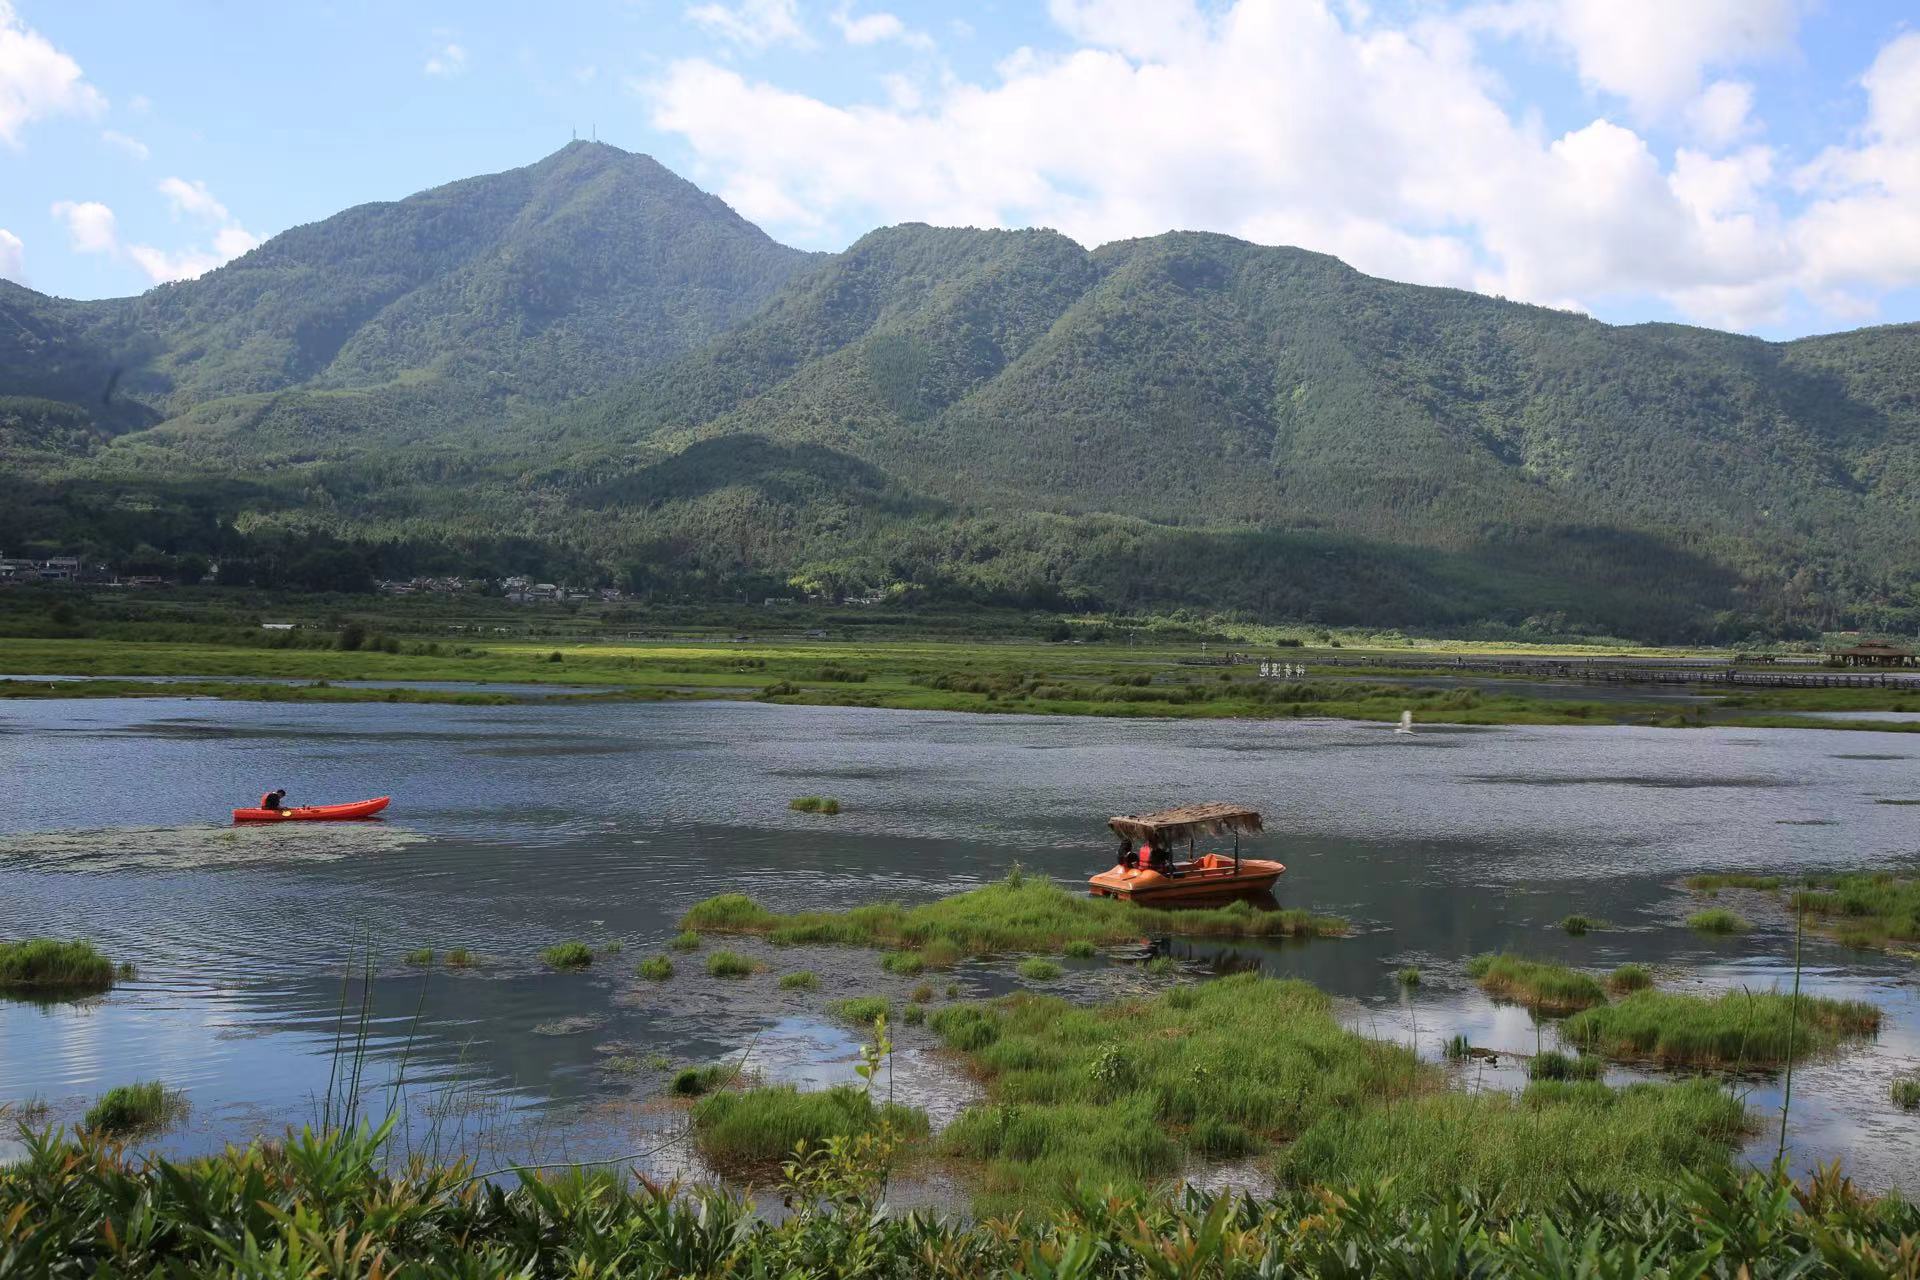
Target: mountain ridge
column 591, row 354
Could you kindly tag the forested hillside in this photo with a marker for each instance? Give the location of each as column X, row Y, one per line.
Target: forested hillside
column 591, row 362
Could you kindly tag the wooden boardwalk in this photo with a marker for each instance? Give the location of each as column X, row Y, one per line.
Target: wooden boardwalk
column 1687, row 671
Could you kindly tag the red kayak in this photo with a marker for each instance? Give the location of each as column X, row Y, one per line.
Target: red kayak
column 316, row 812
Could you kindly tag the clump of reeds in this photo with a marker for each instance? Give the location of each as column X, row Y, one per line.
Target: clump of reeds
column 757, row 1129
column 914, row 1016
column 1541, row 986
column 814, row 804
column 692, row 1082
column 1160, row 966
column 1458, row 1048
column 907, row 964
column 1408, row 977
column 800, row 980
column 1080, row 949
column 1731, row 1030
column 1629, row 977
column 1039, row 969
column 1553, row 1065
column 685, row 940
column 1905, row 1092
column 1718, row 920
column 44, row 963
column 131, row 1108
column 655, row 968
column 422, row 956
column 1873, row 910
column 1576, row 925
column 567, row 955
column 921, row 994
column 1713, row 882
column 728, row 964
column 859, row 1010
column 458, row 958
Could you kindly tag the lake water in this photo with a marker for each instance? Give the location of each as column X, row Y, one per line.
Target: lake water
column 516, row 827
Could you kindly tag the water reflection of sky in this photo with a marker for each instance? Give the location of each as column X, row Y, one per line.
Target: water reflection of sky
column 514, row 827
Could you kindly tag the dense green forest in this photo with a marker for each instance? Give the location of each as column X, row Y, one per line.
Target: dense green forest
column 589, row 368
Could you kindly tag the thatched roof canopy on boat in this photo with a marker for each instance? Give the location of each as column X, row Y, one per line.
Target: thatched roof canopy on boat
column 1171, row 825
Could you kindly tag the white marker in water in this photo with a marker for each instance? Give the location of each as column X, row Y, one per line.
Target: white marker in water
column 1406, row 722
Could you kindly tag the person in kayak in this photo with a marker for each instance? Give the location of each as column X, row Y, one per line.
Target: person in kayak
column 272, row 799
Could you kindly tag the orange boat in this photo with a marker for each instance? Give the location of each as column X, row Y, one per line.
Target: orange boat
column 316, row 812
column 1148, row 873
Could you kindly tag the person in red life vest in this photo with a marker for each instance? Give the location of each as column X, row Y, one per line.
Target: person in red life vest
column 272, row 799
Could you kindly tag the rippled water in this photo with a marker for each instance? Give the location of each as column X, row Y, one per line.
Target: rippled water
column 516, row 827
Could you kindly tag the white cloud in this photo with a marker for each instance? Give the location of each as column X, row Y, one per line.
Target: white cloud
column 1653, row 53
column 132, row 146
column 877, row 28
column 192, row 199
column 13, row 257
column 1722, row 114
column 448, row 60
column 37, row 80
column 91, row 227
column 140, row 104
column 1391, row 147
column 753, row 24
column 1862, row 230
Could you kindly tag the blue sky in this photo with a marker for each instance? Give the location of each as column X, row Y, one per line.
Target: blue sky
column 1750, row 164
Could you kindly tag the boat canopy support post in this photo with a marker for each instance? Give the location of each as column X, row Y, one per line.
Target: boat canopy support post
column 1236, row 853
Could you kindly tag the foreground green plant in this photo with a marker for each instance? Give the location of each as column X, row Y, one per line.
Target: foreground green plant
column 1543, row 987
column 46, row 964
column 1732, row 1030
column 292, row 1200
column 1027, row 914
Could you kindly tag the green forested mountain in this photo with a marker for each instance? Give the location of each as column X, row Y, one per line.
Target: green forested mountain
column 590, row 360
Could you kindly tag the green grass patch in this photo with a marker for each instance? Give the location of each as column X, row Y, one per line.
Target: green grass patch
column 567, row 955
column 914, row 1016
column 860, row 1010
column 1524, row 1151
column 1713, row 882
column 1732, row 1030
column 1879, row 910
column 1408, row 977
column 814, row 804
column 1718, row 920
column 1553, row 1065
column 921, row 994
column 1037, row 969
column 1540, row 986
column 458, row 958
column 47, row 964
column 694, row 1082
column 1024, row 914
column 685, row 940
column 420, row 957
column 1124, row 1095
column 754, row 1130
column 132, row 1108
column 1629, row 977
column 1080, row 949
column 800, row 980
column 1577, row 925
column 728, row 964
column 1905, row 1093
column 655, row 968
column 907, row 964
column 1161, row 966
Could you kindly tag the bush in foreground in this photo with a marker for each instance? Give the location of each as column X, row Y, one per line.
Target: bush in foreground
column 294, row 1199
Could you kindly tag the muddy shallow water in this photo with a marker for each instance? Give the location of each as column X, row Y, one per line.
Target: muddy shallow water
column 517, row 827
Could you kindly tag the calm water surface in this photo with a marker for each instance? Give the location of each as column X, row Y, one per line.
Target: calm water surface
column 516, row 827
